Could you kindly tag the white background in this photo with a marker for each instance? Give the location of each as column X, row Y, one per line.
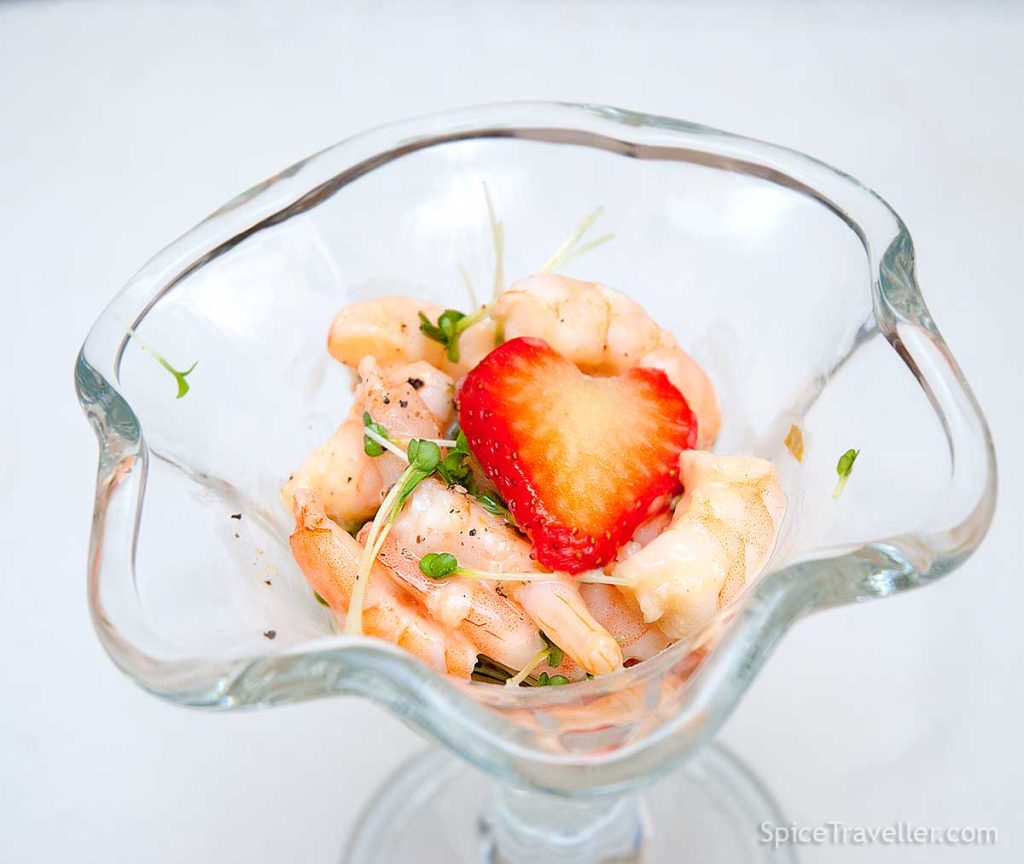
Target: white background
column 121, row 125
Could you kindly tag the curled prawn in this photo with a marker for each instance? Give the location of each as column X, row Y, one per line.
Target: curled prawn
column 721, row 535
column 438, row 519
column 415, row 400
column 493, row 623
column 388, row 329
column 329, row 558
column 619, row 613
column 605, row 333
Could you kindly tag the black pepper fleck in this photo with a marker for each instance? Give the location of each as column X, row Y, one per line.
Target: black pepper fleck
column 387, row 399
column 403, row 403
column 416, row 383
column 472, row 532
column 236, row 515
column 270, row 634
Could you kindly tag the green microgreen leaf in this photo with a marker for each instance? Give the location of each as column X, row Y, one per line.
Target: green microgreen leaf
column 448, row 322
column 845, row 464
column 432, row 331
column 461, row 443
column 423, row 455
column 494, row 504
column 179, row 375
column 438, row 565
column 550, row 654
column 371, row 447
column 844, row 467
column 321, row 600
column 449, row 327
column 555, row 655
column 454, row 470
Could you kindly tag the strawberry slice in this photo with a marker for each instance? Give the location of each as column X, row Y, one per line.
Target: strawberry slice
column 581, row 461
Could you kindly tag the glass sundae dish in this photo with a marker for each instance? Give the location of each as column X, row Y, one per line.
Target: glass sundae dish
column 793, row 287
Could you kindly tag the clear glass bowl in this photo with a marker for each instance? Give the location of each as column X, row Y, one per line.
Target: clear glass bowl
column 791, row 283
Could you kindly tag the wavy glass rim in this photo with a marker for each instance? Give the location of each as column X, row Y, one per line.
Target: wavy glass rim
column 458, row 714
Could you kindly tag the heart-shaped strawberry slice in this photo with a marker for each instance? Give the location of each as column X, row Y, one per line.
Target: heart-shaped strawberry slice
column 581, row 461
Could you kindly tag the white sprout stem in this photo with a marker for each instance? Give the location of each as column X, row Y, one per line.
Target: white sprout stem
column 498, row 240
column 470, row 290
column 467, row 322
column 840, row 486
column 385, row 530
column 473, row 573
column 586, row 247
column 524, row 673
column 386, row 443
column 595, row 577
column 354, row 617
column 563, row 252
column 156, row 355
column 149, row 349
column 440, row 442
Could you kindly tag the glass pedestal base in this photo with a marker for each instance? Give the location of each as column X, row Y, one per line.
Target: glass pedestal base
column 438, row 810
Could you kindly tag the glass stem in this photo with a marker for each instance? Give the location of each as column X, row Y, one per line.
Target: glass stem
column 527, row 827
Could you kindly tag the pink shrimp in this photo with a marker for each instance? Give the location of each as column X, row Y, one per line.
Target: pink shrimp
column 329, row 558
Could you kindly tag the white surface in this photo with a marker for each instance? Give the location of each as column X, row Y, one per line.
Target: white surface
column 123, row 125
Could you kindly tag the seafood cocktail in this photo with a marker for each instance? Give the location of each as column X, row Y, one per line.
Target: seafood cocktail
column 526, row 492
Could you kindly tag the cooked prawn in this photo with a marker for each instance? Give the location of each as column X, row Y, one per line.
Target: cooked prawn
column 347, row 481
column 434, row 387
column 619, row 613
column 329, row 558
column 415, row 400
column 388, row 329
column 605, row 333
column 398, row 406
column 721, row 535
column 439, row 519
column 492, row 622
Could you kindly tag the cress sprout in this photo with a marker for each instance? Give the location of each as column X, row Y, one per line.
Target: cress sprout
column 372, row 433
column 449, row 327
column 843, row 468
column 179, row 375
